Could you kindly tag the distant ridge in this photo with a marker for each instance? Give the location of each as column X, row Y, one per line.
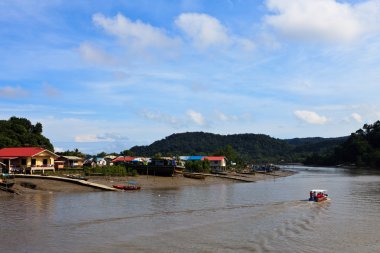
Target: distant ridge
column 250, row 147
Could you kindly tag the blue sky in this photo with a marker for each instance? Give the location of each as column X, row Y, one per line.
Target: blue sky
column 108, row 75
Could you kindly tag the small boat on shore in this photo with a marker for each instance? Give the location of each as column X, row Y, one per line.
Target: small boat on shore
column 6, row 184
column 28, row 185
column 130, row 186
column 6, row 180
column 318, row 195
column 194, row 175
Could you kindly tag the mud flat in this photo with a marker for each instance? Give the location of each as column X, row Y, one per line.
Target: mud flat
column 47, row 185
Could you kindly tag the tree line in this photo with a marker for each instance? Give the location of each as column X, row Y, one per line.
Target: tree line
column 361, row 149
column 239, row 148
column 20, row 132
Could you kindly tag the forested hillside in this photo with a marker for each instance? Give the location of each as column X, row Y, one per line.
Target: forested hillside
column 20, row 132
column 248, row 147
column 361, row 148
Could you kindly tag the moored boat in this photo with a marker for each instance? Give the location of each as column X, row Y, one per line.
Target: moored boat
column 194, row 175
column 130, row 186
column 6, row 184
column 6, row 180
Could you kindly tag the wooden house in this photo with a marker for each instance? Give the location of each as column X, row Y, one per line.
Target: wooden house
column 217, row 163
column 68, row 162
column 27, row 159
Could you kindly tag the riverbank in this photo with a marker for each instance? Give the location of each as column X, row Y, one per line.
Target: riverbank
column 147, row 182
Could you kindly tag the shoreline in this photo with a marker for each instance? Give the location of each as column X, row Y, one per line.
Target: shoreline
column 47, row 185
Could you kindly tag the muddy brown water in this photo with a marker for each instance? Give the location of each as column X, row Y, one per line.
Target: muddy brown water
column 266, row 216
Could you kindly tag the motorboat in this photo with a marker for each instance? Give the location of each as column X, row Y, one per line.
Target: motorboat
column 129, row 186
column 318, row 195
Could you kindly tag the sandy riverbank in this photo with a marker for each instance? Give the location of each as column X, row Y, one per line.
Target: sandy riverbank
column 147, row 182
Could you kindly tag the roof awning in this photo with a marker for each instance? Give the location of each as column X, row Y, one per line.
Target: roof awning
column 10, row 158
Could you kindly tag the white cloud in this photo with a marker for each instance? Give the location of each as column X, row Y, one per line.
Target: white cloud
column 221, row 116
column 58, row 149
column 107, row 137
column 161, row 117
column 89, row 138
column 50, row 90
column 204, row 30
column 95, row 55
column 324, row 20
column 196, row 117
column 310, row 117
column 12, row 92
column 357, row 117
column 136, row 34
column 245, row 44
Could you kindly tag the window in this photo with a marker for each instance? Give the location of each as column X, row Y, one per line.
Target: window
column 23, row 161
column 45, row 162
column 33, row 162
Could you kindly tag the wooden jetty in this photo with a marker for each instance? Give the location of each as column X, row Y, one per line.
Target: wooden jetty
column 70, row 180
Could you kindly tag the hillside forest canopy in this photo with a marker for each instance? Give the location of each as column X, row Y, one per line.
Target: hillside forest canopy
column 361, row 148
column 20, row 132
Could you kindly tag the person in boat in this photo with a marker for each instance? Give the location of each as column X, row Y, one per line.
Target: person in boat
column 319, row 195
column 311, row 195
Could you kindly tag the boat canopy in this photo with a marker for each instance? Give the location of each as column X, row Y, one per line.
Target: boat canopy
column 318, row 190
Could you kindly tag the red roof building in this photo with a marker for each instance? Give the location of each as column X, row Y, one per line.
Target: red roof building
column 217, row 163
column 214, row 158
column 20, row 152
column 23, row 159
column 123, row 159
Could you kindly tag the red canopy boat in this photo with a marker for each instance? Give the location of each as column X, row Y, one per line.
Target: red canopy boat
column 130, row 186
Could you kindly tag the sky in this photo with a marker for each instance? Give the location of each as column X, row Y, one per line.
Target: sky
column 109, row 75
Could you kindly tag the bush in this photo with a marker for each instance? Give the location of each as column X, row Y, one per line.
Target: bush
column 198, row 166
column 115, row 171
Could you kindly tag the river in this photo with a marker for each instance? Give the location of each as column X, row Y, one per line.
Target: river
column 266, row 216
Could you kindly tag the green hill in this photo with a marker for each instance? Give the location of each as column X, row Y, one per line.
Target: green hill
column 361, row 148
column 20, row 132
column 248, row 147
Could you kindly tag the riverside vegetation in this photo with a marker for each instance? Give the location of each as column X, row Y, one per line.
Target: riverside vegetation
column 361, row 148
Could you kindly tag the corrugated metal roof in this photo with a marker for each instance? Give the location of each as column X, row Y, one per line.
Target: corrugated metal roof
column 123, row 159
column 195, row 158
column 214, row 158
column 22, row 152
column 70, row 157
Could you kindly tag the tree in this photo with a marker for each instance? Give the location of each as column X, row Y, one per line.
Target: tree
column 37, row 129
column 101, row 154
column 127, row 152
column 198, row 166
column 20, row 132
column 361, row 148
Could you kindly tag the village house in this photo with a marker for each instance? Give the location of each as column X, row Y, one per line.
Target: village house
column 27, row 159
column 217, row 163
column 121, row 160
column 68, row 162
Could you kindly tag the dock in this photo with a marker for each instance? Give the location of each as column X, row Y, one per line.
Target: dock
column 235, row 177
column 70, row 180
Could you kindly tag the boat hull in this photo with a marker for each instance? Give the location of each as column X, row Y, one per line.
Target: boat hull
column 127, row 187
column 6, row 184
column 319, row 199
column 194, row 176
